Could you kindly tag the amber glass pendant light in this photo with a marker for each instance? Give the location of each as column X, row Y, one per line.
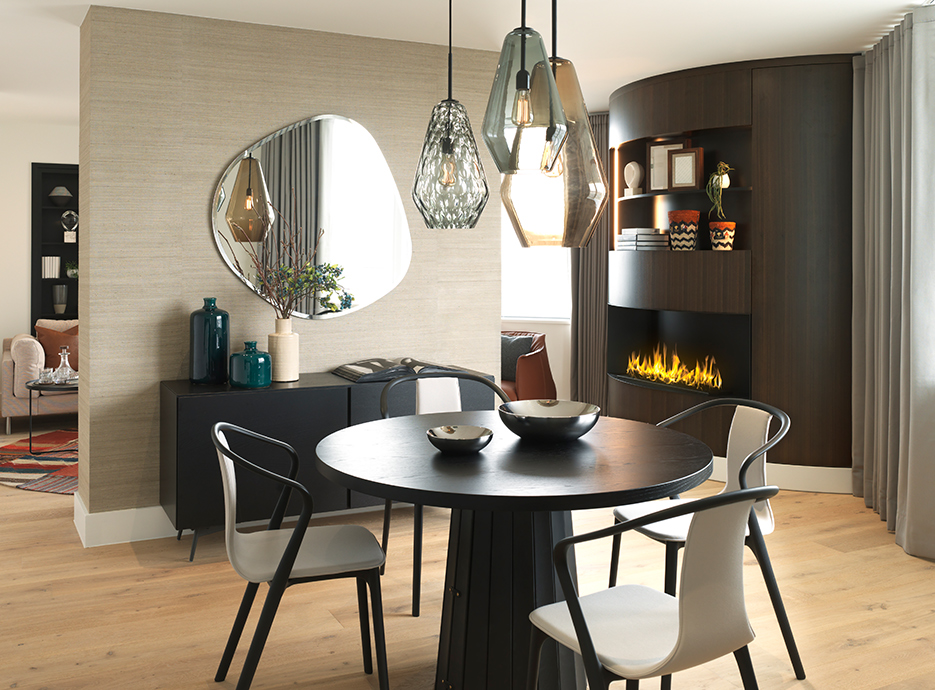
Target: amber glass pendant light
column 561, row 207
column 249, row 213
column 524, row 127
column 450, row 187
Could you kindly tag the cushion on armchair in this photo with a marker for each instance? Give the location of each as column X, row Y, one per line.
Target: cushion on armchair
column 52, row 342
column 512, row 347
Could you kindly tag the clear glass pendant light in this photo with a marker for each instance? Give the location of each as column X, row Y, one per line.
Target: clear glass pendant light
column 249, row 213
column 450, row 187
column 524, row 127
column 560, row 207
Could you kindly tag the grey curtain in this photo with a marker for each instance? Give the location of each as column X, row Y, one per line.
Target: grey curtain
column 894, row 282
column 291, row 164
column 589, row 296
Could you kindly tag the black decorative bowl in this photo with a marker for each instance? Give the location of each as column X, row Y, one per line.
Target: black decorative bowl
column 459, row 439
column 549, row 420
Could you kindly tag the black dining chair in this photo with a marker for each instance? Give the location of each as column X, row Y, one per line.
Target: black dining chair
column 747, row 444
column 282, row 557
column 427, row 402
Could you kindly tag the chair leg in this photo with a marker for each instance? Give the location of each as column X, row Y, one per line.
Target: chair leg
column 270, row 606
column 364, row 614
column 379, row 636
column 758, row 546
column 416, row 559
column 387, row 513
column 614, row 559
column 245, row 604
column 672, row 567
column 669, row 586
column 536, row 639
column 745, row 663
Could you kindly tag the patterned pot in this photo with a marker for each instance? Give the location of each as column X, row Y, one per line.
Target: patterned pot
column 683, row 230
column 722, row 235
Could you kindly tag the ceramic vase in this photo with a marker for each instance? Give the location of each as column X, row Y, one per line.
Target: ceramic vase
column 250, row 368
column 683, row 230
column 209, row 343
column 284, row 351
column 722, row 235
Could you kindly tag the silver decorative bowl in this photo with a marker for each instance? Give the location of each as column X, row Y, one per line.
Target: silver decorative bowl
column 459, row 439
column 549, row 420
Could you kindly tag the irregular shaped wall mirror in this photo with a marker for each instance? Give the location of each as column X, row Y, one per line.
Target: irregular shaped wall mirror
column 327, row 177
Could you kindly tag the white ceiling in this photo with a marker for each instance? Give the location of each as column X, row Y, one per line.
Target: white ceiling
column 611, row 42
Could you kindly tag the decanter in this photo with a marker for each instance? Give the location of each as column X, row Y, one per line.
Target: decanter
column 64, row 373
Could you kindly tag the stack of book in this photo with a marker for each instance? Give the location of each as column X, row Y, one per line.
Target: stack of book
column 648, row 239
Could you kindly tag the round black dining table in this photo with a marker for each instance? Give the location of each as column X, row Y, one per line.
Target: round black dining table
column 510, row 506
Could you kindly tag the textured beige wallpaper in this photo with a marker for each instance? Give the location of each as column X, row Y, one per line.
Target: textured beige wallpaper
column 167, row 101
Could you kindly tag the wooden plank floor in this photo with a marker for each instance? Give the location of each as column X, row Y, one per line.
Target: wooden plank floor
column 141, row 616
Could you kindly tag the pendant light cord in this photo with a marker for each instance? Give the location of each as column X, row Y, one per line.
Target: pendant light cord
column 554, row 29
column 449, row 49
column 522, row 42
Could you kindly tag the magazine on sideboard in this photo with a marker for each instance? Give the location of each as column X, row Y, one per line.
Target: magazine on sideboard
column 380, row 369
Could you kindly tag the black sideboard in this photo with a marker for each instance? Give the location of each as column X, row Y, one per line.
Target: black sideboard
column 301, row 413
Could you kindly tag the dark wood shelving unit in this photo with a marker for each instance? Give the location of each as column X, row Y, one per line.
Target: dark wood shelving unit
column 784, row 125
column 48, row 239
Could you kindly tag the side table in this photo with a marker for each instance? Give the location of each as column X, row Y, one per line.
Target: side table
column 34, row 385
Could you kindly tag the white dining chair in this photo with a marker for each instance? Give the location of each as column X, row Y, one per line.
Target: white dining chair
column 632, row 632
column 436, row 391
column 282, row 557
column 747, row 443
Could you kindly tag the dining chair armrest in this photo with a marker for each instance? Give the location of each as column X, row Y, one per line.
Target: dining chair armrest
column 384, row 396
column 289, row 482
column 784, row 425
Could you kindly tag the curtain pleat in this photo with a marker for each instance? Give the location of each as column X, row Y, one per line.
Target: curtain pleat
column 589, row 296
column 291, row 163
column 893, row 402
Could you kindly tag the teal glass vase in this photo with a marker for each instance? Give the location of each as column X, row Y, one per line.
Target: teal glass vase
column 209, row 343
column 251, row 368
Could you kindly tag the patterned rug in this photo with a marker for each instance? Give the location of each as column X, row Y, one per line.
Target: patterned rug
column 55, row 471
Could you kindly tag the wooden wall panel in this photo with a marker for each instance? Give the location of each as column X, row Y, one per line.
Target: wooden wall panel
column 684, row 281
column 802, row 256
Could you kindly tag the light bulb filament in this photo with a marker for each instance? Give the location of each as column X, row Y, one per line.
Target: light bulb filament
column 522, row 110
column 448, row 176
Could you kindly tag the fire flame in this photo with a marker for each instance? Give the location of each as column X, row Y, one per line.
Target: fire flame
column 704, row 375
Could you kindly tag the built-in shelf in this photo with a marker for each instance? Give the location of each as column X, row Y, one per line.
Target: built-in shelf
column 677, row 192
column 48, row 239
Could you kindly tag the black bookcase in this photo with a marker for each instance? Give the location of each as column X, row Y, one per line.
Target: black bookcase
column 48, row 239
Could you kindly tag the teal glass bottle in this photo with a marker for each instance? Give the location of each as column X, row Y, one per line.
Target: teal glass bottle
column 251, row 368
column 209, row 344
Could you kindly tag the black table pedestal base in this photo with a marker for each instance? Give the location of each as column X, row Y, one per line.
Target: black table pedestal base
column 499, row 569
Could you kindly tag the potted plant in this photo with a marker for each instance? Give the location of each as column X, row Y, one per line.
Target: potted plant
column 722, row 231
column 71, row 269
column 286, row 275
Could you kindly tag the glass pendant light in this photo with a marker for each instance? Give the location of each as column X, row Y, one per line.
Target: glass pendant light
column 450, row 187
column 560, row 207
column 524, row 127
column 249, row 213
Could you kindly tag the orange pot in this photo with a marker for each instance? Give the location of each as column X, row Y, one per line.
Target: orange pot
column 683, row 230
column 722, row 235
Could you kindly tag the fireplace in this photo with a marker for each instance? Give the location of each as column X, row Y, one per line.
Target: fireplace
column 695, row 352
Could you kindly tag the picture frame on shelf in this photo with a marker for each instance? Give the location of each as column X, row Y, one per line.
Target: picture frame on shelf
column 685, row 168
column 657, row 162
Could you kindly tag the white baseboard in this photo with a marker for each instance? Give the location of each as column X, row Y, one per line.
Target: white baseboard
column 121, row 526
column 141, row 524
column 825, row 480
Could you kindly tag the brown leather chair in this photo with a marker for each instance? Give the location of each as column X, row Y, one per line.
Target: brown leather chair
column 533, row 375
